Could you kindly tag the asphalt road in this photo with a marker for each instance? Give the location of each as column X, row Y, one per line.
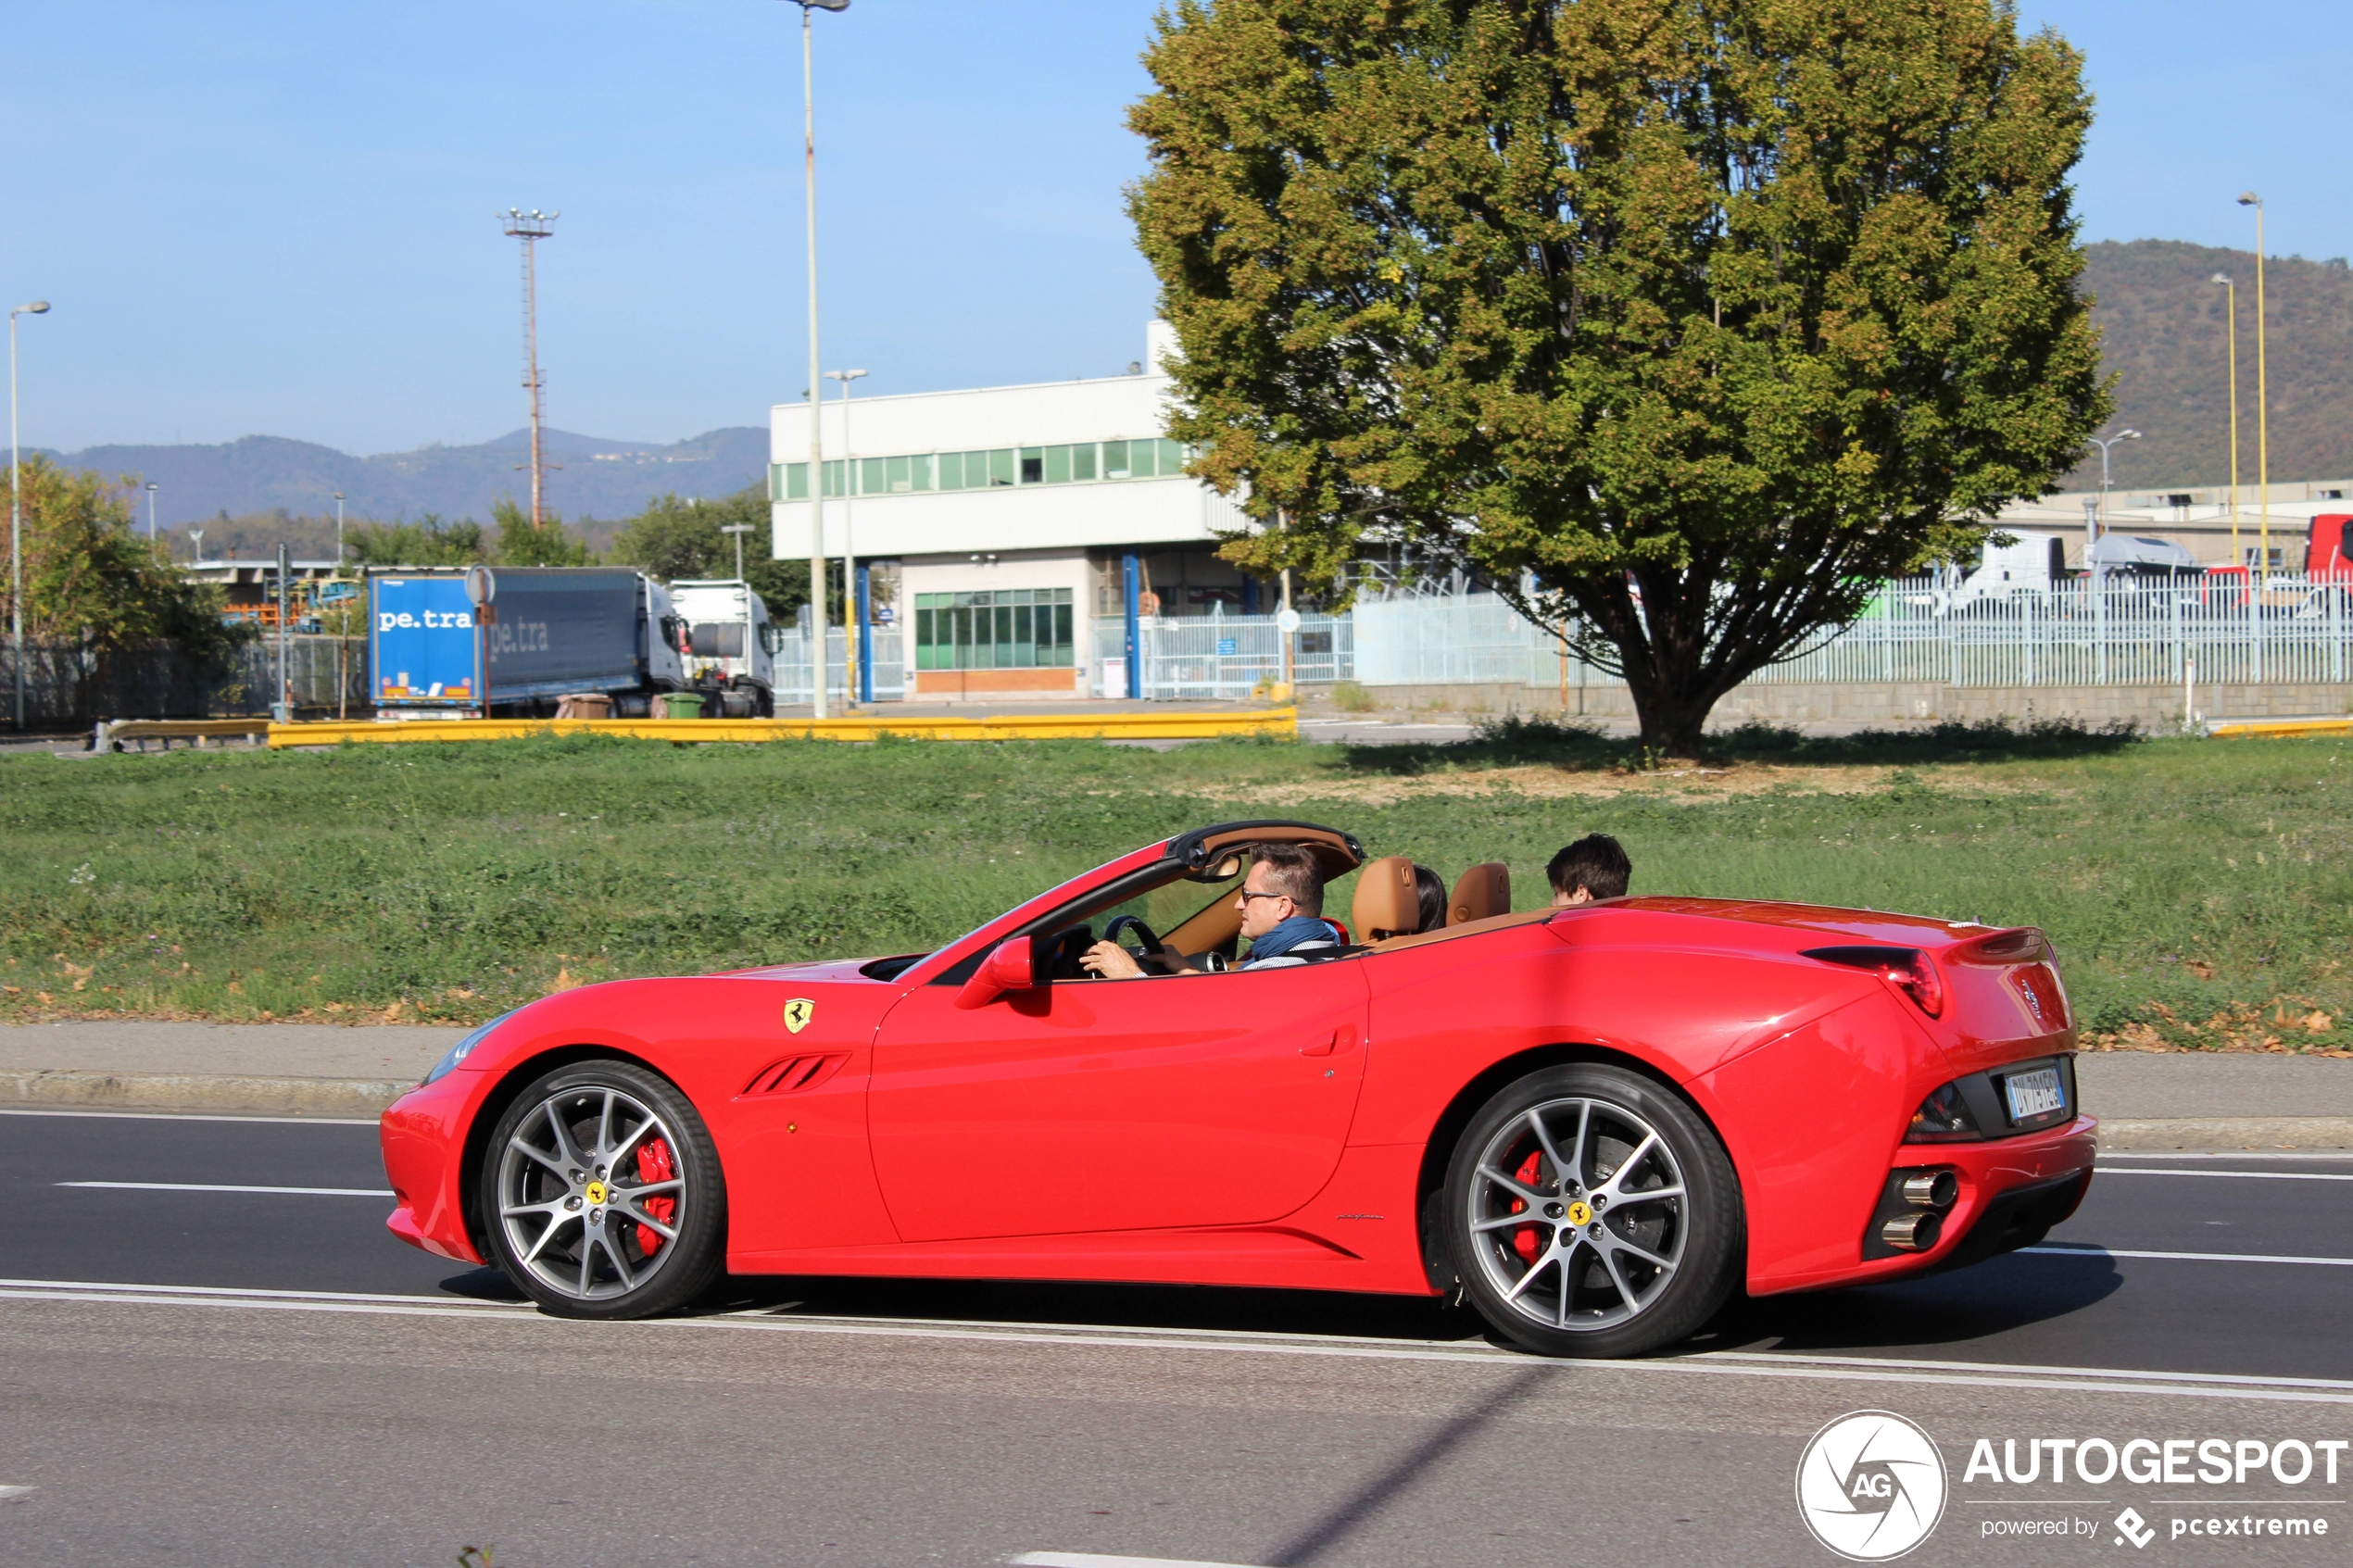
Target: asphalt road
column 265, row 1376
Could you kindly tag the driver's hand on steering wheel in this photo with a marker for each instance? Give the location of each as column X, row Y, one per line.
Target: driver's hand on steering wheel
column 1109, row 961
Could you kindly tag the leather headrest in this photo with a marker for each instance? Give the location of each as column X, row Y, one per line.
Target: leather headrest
column 1387, row 901
column 1483, row 893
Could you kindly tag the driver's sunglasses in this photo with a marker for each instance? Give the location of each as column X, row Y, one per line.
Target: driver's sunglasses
column 1247, row 897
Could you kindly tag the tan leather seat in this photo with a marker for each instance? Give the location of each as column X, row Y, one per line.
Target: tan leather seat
column 1484, row 892
column 1387, row 903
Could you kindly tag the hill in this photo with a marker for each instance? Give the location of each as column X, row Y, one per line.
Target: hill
column 267, row 475
column 2162, row 319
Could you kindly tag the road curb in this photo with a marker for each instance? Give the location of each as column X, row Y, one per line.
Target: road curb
column 2228, row 1132
column 221, row 1094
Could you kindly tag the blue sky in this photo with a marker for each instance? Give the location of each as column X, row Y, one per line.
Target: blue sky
column 266, row 217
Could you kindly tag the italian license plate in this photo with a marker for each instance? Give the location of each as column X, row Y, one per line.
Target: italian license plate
column 2033, row 1094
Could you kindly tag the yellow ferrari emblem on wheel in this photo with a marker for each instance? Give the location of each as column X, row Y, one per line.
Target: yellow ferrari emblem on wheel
column 1580, row 1215
column 798, row 1012
column 595, row 1195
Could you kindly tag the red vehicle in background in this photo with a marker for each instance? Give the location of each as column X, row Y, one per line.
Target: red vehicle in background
column 2327, row 556
column 1597, row 1122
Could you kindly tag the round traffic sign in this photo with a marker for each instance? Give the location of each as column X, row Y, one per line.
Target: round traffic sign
column 1287, row 621
column 480, row 587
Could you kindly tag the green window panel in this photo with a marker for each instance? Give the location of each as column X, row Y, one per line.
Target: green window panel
column 1001, row 464
column 1140, row 458
column 871, row 480
column 1001, row 629
column 1116, row 459
column 951, row 471
column 836, row 473
column 1058, row 465
column 1172, row 457
column 1082, row 460
column 788, row 482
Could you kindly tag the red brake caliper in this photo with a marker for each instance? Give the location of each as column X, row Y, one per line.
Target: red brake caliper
column 1528, row 1241
column 654, row 1164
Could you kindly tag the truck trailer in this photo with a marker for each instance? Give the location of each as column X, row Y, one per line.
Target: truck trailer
column 545, row 633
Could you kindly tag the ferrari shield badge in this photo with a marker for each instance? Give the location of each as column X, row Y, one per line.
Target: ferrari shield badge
column 798, row 1012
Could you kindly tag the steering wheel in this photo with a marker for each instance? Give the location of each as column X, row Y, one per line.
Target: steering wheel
column 1146, row 954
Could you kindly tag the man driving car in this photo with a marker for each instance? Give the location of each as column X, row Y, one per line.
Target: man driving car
column 1281, row 902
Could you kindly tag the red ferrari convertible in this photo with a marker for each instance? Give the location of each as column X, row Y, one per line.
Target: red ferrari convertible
column 1596, row 1123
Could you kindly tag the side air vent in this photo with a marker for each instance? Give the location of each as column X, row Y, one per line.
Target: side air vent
column 794, row 1073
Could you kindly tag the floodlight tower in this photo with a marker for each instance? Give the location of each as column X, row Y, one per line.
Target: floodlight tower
column 531, row 228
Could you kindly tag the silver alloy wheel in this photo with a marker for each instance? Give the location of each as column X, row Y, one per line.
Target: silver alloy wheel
column 1578, row 1214
column 591, row 1194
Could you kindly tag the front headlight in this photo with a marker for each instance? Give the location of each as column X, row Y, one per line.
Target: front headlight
column 464, row 1048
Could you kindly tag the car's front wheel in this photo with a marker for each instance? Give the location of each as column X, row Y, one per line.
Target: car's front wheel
column 1591, row 1211
column 604, row 1194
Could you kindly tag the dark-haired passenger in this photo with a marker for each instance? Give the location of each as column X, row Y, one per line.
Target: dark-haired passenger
column 1430, row 890
column 1594, row 867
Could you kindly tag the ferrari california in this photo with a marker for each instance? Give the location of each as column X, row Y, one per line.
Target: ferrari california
column 1594, row 1122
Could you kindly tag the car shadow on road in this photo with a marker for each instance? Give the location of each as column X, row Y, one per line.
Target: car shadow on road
column 1998, row 1296
column 1109, row 1306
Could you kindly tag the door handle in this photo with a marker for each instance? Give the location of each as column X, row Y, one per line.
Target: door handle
column 1341, row 1041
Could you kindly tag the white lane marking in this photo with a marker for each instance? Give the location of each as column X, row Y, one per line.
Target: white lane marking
column 239, row 1290
column 1096, row 1559
column 2233, row 1175
column 212, row 1186
column 1836, row 1369
column 190, row 1116
column 6, row 1492
column 2088, row 1250
column 2231, row 1154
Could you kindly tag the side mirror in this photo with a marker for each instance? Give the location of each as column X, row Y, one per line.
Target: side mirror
column 1011, row 967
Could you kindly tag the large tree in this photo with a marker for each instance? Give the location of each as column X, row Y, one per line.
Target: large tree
column 1708, row 314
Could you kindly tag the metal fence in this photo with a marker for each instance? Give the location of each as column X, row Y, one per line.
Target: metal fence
column 71, row 685
column 796, row 684
column 2119, row 632
column 1221, row 656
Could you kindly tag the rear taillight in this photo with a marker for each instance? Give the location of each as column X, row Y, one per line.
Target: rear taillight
column 1943, row 1117
column 1908, row 968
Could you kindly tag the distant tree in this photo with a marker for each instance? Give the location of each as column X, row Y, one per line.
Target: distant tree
column 92, row 581
column 1709, row 313
column 429, row 541
column 673, row 539
column 520, row 544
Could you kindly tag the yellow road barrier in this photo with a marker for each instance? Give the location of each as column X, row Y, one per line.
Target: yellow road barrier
column 2240, row 728
column 1280, row 721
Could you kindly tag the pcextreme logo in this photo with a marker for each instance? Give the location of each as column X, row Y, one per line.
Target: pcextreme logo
column 1870, row 1485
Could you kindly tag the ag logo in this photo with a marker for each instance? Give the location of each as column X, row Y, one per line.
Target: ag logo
column 798, row 1012
column 1870, row 1485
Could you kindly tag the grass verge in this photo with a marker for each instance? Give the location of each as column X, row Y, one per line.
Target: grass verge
column 2200, row 894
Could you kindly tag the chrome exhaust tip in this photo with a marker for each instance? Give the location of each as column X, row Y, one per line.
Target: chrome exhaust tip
column 1913, row 1233
column 1931, row 1189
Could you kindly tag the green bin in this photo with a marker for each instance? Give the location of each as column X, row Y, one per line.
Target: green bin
column 681, row 705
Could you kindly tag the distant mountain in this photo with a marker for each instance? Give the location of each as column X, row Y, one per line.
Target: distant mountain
column 2165, row 333
column 262, row 474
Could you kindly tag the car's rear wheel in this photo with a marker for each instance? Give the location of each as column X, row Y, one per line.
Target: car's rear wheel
column 1591, row 1211
column 603, row 1194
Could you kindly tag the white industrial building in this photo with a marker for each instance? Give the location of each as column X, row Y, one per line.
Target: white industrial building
column 995, row 526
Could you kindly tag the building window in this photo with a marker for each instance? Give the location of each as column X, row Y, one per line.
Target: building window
column 1002, row 629
column 1080, row 462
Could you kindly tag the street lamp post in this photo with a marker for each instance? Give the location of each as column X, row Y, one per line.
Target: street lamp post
column 2105, row 446
column 151, row 511
column 16, row 511
column 739, row 529
column 2262, row 403
column 854, row 639
column 2231, row 293
column 816, row 440
column 338, row 534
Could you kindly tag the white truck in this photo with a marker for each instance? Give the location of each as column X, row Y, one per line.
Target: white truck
column 2030, row 563
column 728, row 644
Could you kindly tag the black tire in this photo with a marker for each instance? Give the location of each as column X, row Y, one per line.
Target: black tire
column 1582, row 1275
column 561, row 1179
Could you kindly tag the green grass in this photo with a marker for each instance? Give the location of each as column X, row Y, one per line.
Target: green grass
column 450, row 882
